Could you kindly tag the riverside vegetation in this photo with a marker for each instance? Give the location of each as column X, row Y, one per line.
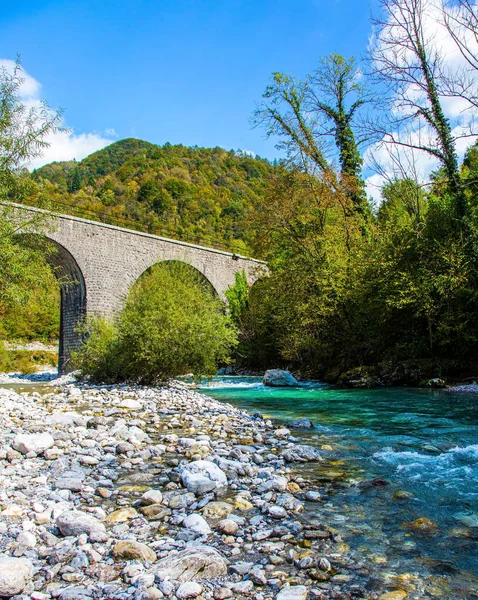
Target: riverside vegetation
column 355, row 293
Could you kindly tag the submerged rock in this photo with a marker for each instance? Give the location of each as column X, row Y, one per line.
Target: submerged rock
column 279, row 378
column 301, row 424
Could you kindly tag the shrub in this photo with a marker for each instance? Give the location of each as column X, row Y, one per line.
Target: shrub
column 172, row 324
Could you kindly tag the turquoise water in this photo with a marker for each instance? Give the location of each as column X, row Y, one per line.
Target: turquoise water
column 423, row 447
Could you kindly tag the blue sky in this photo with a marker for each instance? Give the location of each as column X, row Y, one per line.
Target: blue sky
column 179, row 71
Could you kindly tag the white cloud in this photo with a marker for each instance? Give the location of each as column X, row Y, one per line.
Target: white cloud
column 63, row 145
column 399, row 162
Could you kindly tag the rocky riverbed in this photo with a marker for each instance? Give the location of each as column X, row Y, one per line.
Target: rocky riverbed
column 144, row 493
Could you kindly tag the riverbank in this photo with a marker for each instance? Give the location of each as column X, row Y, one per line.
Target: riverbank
column 119, row 492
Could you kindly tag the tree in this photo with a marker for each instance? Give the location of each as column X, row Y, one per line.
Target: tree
column 23, row 130
column 409, row 67
column 23, row 133
column 171, row 325
column 307, row 114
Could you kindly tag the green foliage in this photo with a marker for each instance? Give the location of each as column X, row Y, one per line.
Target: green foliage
column 238, row 296
column 196, row 194
column 172, row 324
column 25, row 361
column 25, row 280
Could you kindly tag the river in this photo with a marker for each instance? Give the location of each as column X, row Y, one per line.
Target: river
column 392, row 456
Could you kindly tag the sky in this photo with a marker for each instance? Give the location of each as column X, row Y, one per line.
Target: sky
column 189, row 71
column 178, row 71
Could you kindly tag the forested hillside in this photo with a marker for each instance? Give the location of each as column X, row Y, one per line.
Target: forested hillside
column 201, row 195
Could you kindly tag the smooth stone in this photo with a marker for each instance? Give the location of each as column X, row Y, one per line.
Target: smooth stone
column 15, row 575
column 69, row 483
column 422, row 524
column 222, row 593
column 197, row 524
column 132, row 550
column 131, row 404
column 295, row 592
column 74, row 522
column 277, row 512
column 243, row 587
column 241, row 503
column 205, row 468
column 227, row 526
column 200, row 561
column 152, row 497
column 189, row 589
column 33, row 442
column 75, row 593
column 279, row 378
column 312, row 496
column 121, row 515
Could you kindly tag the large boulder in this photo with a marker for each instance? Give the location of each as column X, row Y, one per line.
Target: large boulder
column 279, row 378
column 33, row 442
column 202, row 476
column 75, row 522
column 15, row 575
column 197, row 562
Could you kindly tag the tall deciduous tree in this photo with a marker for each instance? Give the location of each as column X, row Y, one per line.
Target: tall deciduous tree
column 23, row 136
column 308, row 114
column 410, row 68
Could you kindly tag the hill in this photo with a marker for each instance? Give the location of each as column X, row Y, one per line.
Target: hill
column 200, row 195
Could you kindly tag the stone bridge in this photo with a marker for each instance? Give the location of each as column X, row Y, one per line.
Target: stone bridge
column 98, row 263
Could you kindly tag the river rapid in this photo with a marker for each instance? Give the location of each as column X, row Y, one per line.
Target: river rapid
column 392, row 456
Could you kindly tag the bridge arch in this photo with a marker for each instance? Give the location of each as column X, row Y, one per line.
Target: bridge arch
column 189, row 269
column 73, row 297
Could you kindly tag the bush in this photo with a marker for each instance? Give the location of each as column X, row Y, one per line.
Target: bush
column 172, row 324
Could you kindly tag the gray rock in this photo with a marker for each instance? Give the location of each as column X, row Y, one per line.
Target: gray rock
column 74, row 522
column 277, row 512
column 295, row 592
column 152, row 497
column 74, row 484
column 200, row 561
column 33, row 442
column 197, row 524
column 301, row 424
column 279, row 378
column 75, row 593
column 312, row 496
column 301, row 453
column 189, row 589
column 243, row 587
column 15, row 575
column 208, row 471
column 227, row 526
